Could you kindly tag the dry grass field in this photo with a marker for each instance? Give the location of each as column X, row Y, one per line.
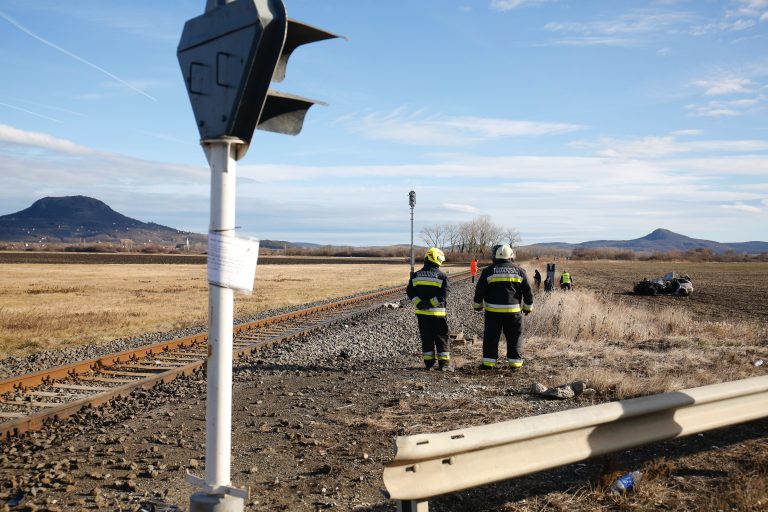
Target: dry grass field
column 628, row 345
column 44, row 306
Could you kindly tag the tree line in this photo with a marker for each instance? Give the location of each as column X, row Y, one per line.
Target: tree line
column 474, row 237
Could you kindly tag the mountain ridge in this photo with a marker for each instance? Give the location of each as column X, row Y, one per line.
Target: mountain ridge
column 661, row 240
column 73, row 219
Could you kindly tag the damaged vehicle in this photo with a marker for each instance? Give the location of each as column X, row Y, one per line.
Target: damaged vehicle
column 670, row 284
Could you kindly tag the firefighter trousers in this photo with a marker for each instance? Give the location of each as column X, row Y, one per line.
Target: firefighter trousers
column 512, row 325
column 435, row 344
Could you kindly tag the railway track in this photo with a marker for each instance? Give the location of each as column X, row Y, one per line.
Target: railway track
column 28, row 402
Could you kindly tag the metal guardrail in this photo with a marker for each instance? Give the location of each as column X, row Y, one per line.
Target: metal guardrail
column 428, row 465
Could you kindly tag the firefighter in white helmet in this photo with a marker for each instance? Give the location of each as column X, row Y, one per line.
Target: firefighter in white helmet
column 504, row 293
column 428, row 290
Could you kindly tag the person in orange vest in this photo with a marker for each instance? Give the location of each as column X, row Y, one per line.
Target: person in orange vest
column 473, row 268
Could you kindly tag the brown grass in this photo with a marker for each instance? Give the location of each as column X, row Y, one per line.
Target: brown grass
column 49, row 306
column 626, row 351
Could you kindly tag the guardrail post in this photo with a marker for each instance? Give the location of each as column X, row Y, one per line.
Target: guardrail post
column 413, row 506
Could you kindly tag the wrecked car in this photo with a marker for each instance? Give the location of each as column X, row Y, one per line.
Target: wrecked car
column 670, row 284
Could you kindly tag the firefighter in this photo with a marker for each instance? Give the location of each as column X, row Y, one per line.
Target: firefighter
column 428, row 290
column 537, row 278
column 566, row 281
column 504, row 293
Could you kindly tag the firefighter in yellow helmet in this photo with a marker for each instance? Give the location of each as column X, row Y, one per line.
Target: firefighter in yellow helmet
column 428, row 291
column 504, row 293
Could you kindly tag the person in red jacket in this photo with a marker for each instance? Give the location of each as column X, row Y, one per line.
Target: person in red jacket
column 473, row 268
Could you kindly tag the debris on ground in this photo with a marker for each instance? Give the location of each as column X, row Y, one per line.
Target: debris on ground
column 670, row 284
column 563, row 392
column 626, row 483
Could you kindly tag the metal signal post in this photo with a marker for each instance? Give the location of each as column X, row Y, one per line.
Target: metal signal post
column 412, row 203
column 229, row 56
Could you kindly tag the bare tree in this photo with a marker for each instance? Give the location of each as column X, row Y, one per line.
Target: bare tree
column 472, row 237
column 452, row 237
column 511, row 236
column 487, row 232
column 433, row 236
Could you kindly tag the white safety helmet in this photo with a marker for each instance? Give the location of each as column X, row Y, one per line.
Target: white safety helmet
column 504, row 252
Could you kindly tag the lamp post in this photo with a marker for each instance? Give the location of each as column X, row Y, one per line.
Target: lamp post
column 412, row 203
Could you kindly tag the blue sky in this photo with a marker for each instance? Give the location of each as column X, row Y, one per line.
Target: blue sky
column 568, row 120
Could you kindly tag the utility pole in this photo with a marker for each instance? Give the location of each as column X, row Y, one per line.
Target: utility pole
column 412, row 203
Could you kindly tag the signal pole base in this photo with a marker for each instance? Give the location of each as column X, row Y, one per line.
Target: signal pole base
column 201, row 502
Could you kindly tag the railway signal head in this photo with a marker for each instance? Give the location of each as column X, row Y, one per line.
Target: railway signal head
column 230, row 54
column 412, row 198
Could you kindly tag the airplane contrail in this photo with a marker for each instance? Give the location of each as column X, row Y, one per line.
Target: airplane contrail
column 28, row 112
column 70, row 54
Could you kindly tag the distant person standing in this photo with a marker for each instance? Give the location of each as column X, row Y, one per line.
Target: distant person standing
column 473, row 268
column 566, row 281
column 428, row 290
column 537, row 278
column 504, row 293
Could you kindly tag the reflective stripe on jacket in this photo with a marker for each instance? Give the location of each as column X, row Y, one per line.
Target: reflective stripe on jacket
column 565, row 278
column 503, row 288
column 428, row 290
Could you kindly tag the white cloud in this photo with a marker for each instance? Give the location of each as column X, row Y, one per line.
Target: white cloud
column 741, row 207
column 508, row 5
column 552, row 194
column 13, row 135
column 683, row 133
column 725, row 86
column 663, row 52
column 593, row 41
column 417, row 129
column 463, row 208
column 753, row 8
column 722, row 26
column 663, row 146
column 731, row 108
column 639, row 22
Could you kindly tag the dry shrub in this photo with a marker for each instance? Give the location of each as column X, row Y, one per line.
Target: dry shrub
column 746, row 491
column 583, row 315
column 625, row 351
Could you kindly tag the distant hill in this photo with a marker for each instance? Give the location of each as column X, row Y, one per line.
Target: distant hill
column 277, row 245
column 73, row 219
column 662, row 240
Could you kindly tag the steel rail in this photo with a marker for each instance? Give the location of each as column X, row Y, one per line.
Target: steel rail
column 428, row 465
column 124, row 366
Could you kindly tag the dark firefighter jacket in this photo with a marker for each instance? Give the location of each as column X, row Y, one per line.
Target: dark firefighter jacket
column 503, row 288
column 428, row 290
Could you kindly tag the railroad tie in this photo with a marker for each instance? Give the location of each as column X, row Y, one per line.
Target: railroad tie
column 80, row 387
column 88, row 378
column 28, row 403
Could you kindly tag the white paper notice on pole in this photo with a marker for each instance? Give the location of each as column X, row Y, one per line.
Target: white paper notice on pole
column 232, row 261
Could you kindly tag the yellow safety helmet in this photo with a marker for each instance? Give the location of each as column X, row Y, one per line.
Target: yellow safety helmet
column 435, row 255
